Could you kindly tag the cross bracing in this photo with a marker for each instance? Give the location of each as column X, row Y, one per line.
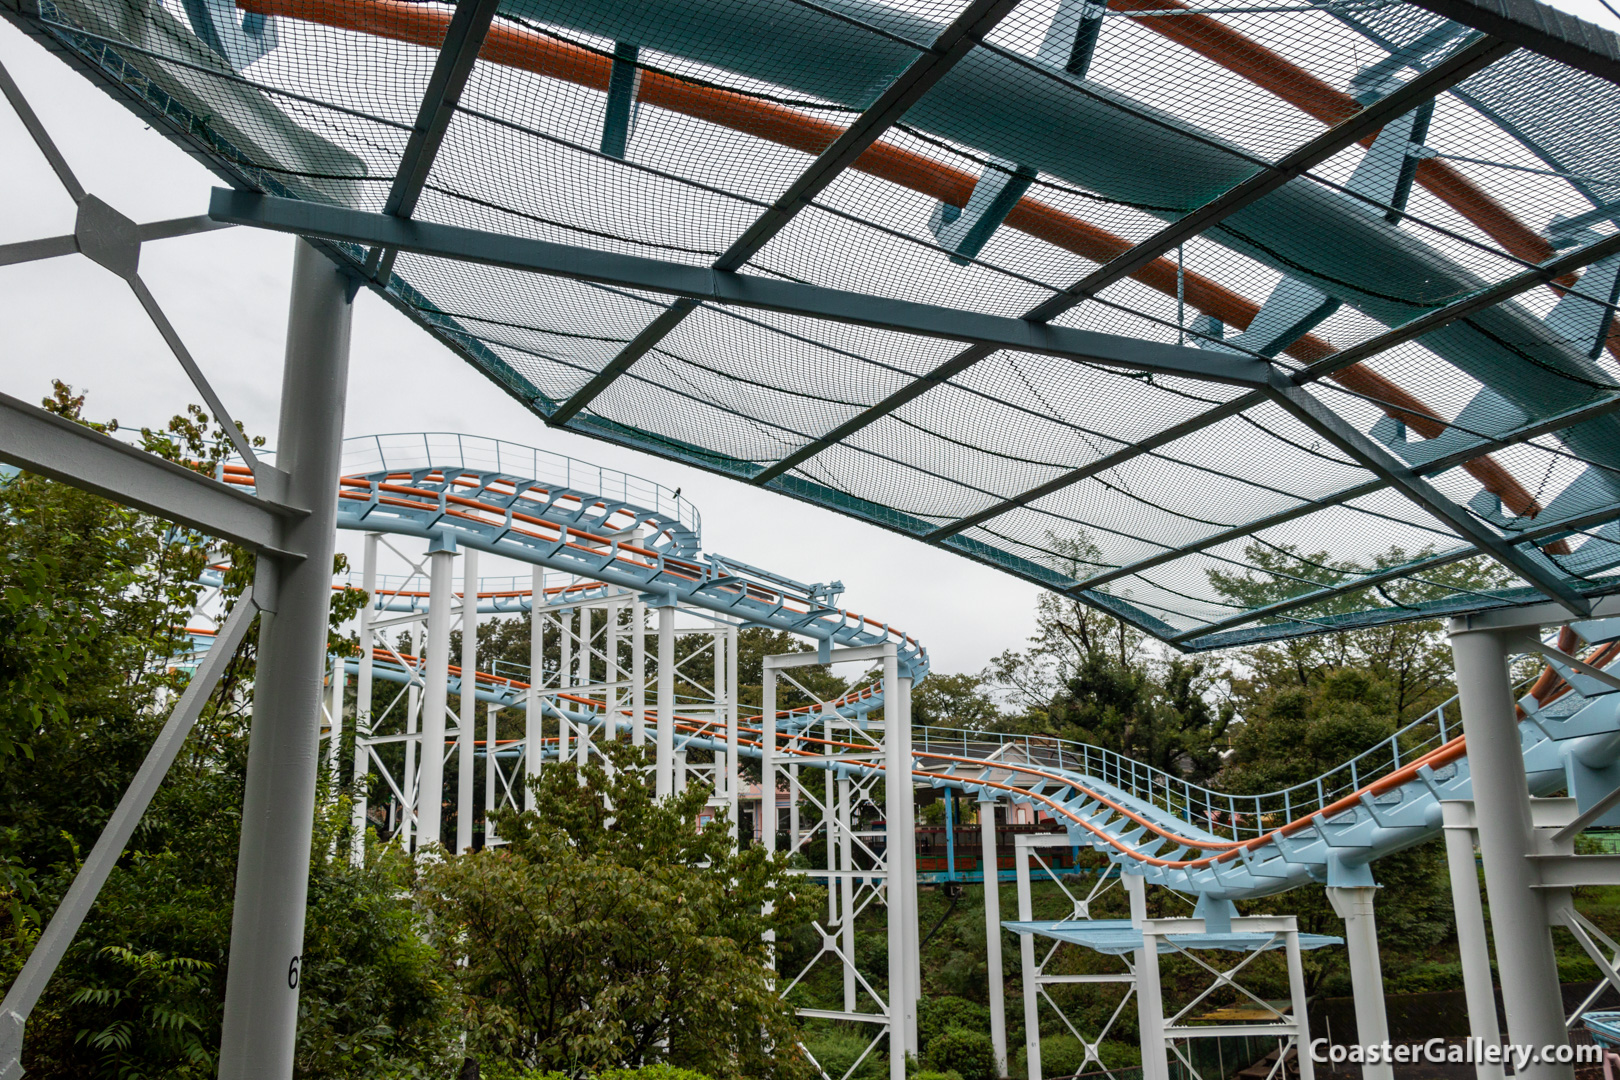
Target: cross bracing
column 1372, row 216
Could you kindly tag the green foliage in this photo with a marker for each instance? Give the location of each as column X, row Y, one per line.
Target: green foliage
column 930, row 1074
column 939, row 1014
column 1061, row 1055
column 954, row 701
column 657, row 1071
column 838, row 1048
column 104, row 594
column 613, row 931
column 164, row 1000
column 1088, row 677
column 968, row 1053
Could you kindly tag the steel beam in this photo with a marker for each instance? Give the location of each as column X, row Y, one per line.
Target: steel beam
column 1428, row 468
column 1425, row 87
column 1299, row 403
column 726, row 287
column 1519, row 283
column 954, row 43
column 462, row 40
column 1539, row 28
column 1102, row 464
column 53, row 446
column 259, row 1028
column 1477, row 54
column 65, row 921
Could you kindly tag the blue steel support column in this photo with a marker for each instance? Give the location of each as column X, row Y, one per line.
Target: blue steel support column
column 278, row 808
column 1531, row 998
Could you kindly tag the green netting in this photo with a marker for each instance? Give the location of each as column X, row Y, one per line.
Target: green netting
column 1070, row 132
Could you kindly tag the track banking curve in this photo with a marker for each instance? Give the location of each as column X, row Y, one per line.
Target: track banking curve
column 1175, row 833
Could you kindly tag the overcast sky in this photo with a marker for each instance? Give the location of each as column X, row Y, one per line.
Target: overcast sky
column 226, row 292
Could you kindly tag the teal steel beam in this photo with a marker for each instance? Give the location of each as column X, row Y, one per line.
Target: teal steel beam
column 462, row 40
column 725, row 287
column 1428, row 468
column 954, row 43
column 1442, row 76
column 1305, row 408
column 1538, row 28
column 1519, row 283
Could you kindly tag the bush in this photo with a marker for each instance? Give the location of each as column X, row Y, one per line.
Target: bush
column 837, row 1049
column 646, row 1072
column 928, row 1074
column 969, row 1053
column 1061, row 1055
column 937, row 1015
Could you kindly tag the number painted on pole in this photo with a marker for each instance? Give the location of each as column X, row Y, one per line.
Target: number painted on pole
column 292, row 974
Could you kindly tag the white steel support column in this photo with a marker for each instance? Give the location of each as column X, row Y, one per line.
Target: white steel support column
column 665, row 760
column 846, row 885
column 362, row 703
column 492, row 792
column 565, row 678
column 733, row 757
column 467, row 741
column 1531, row 996
column 1147, row 1030
column 766, row 818
column 897, row 793
column 1150, row 1009
column 989, row 862
column 533, row 719
column 334, row 735
column 272, row 876
column 1473, row 949
column 1355, row 907
column 413, row 722
column 582, row 678
column 1031, row 969
column 908, row 855
column 638, row 672
column 435, row 693
column 1297, row 1004
column 614, row 711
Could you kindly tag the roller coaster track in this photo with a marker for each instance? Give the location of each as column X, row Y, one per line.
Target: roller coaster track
column 1176, row 833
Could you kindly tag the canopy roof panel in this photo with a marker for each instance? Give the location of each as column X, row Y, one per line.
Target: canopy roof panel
column 1238, row 319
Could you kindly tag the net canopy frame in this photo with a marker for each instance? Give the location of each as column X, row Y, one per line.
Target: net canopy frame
column 1238, row 319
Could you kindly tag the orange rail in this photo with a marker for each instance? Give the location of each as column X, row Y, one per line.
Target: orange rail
column 516, row 47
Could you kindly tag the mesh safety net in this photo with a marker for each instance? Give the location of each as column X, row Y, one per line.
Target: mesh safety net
column 1300, row 374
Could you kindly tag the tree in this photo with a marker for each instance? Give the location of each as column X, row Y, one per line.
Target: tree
column 1411, row 658
column 1290, row 735
column 1089, row 677
column 93, row 651
column 954, row 701
column 613, row 931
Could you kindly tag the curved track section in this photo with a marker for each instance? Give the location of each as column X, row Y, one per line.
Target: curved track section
column 1181, row 835
column 1176, row 833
